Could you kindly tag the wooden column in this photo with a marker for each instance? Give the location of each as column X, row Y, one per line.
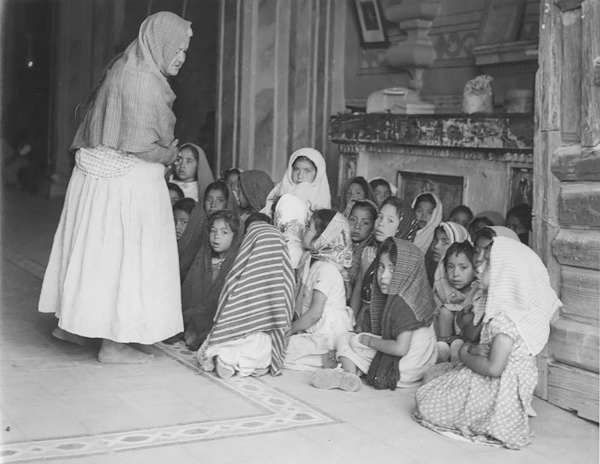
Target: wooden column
column 278, row 80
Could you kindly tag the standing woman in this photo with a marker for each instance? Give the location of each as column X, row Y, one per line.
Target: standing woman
column 113, row 271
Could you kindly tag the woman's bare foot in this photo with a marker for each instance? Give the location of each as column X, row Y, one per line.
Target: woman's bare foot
column 121, row 353
column 329, row 361
column 68, row 336
column 141, row 347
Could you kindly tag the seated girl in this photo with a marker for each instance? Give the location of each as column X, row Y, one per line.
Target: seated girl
column 400, row 344
column 321, row 308
column 462, row 215
column 382, row 189
column 291, row 219
column 428, row 211
column 395, row 219
column 232, row 178
column 454, row 295
column 362, row 222
column 486, row 397
column 203, row 284
column 305, row 177
column 216, row 198
column 254, row 187
column 445, row 235
column 175, row 193
column 355, row 189
column 255, row 308
column 191, row 171
column 182, row 211
column 519, row 220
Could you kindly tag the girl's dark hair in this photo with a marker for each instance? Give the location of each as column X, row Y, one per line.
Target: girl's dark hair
column 256, row 217
column 395, row 202
column 363, row 184
column 379, row 182
column 218, row 185
column 425, row 197
column 322, row 218
column 486, row 232
column 185, row 204
column 388, row 246
column 523, row 213
column 305, row 158
column 231, row 218
column 462, row 209
column 366, row 205
column 478, row 223
column 230, row 172
column 192, row 148
column 175, row 188
column 460, row 247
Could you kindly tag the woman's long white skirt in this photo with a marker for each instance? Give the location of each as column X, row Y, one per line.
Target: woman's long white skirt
column 113, row 270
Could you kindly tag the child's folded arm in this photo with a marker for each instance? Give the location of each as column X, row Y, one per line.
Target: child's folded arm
column 398, row 347
column 492, row 365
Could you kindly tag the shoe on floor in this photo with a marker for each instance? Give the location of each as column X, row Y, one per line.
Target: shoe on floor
column 336, row 378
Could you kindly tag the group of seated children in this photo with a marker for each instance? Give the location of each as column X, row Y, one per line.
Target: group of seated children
column 274, row 278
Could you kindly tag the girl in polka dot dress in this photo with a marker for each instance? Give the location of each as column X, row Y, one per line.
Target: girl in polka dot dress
column 487, row 396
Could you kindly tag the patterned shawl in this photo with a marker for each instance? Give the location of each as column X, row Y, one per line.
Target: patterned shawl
column 256, row 185
column 199, row 291
column 315, row 193
column 441, row 285
column 258, row 293
column 520, row 288
column 130, row 110
column 409, row 287
column 425, row 235
column 334, row 244
column 290, row 218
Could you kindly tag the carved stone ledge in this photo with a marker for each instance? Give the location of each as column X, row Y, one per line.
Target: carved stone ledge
column 513, row 157
column 504, row 133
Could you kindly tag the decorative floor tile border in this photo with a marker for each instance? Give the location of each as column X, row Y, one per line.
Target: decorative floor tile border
column 281, row 412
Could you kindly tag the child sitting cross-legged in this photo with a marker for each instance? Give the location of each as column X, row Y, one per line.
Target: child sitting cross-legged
column 400, row 345
column 321, row 308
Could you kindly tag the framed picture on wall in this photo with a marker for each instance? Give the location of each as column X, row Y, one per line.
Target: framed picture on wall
column 501, row 21
column 370, row 24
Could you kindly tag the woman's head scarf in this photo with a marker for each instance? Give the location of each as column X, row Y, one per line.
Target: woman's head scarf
column 258, row 294
column 455, row 233
column 425, row 235
column 408, row 287
column 291, row 218
column 334, row 245
column 204, row 173
column 520, row 288
column 315, row 193
column 130, row 109
column 256, row 186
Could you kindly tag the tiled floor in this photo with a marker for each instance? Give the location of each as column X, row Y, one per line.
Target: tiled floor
column 59, row 405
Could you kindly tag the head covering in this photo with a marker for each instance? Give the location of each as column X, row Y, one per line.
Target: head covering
column 130, row 110
column 334, row 245
column 315, row 193
column 345, row 205
column 409, row 287
column 204, row 172
column 425, row 235
column 201, row 289
column 190, row 241
column 393, row 188
column 258, row 293
column 502, row 231
column 520, row 288
column 493, row 216
column 256, row 185
column 290, row 218
column 441, row 285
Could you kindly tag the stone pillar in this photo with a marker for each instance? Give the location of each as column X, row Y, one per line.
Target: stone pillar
column 280, row 77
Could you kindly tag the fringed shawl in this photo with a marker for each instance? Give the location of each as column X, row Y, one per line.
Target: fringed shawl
column 408, row 289
column 130, row 110
column 315, row 193
column 258, row 293
column 520, row 288
column 200, row 292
